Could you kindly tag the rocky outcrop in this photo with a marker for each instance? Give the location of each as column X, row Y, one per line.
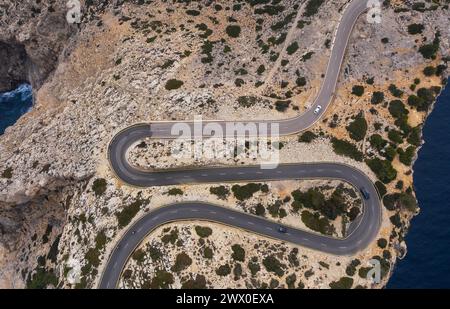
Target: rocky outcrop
column 32, row 37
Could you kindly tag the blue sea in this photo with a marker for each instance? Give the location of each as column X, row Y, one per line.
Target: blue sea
column 14, row 104
column 427, row 264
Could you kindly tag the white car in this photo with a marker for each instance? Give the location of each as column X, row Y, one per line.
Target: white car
column 318, row 109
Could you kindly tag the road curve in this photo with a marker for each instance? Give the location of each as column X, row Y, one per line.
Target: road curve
column 362, row 232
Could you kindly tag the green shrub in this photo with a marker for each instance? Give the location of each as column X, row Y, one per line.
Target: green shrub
column 407, row 201
column 223, row 270
column 395, row 136
column 351, row 268
column 247, row 101
column 390, row 201
column 253, row 266
column 221, row 192
column 7, row 173
column 382, row 243
column 182, row 261
column 395, row 91
column 192, row 12
column 292, row 48
column 316, row 223
column 429, row 51
column 415, row 29
column 342, row 147
column 203, row 232
column 92, row 257
column 198, row 283
column 99, row 186
column 272, row 264
column 383, row 169
column 307, row 137
column 377, row 97
column 173, row 84
column 233, row 31
column 358, row 128
column 261, row 69
column 343, row 283
column 377, row 142
column 389, row 153
column 127, row 213
column 358, row 90
column 245, row 192
column 162, row 280
column 406, row 156
column 100, row 240
column 300, row 81
column 138, row 256
column 398, row 109
column 429, row 70
column 282, row 106
column 415, row 136
column 42, row 279
column 238, row 253
column 259, row 210
column 307, row 56
column 312, row 7
column 175, row 191
column 208, row 253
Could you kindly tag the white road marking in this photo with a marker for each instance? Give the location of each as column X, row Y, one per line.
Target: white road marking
column 232, row 218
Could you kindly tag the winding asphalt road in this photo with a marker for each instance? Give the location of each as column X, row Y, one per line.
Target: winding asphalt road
column 361, row 233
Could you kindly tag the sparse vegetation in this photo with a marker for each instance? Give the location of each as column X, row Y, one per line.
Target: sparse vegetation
column 203, row 232
column 344, row 148
column 7, row 173
column 383, row 169
column 233, row 31
column 358, row 128
column 238, row 253
column 182, row 262
column 272, row 264
column 221, row 192
column 358, row 90
column 99, row 186
column 173, row 84
column 307, row 137
column 343, row 283
column 128, row 212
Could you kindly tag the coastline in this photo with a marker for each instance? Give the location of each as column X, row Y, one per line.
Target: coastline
column 412, row 265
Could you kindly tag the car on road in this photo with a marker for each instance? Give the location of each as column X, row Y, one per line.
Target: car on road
column 318, row 109
column 282, row 230
column 364, row 193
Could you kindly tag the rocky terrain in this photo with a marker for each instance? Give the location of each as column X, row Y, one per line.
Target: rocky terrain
column 62, row 209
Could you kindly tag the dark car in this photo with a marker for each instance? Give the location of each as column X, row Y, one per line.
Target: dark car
column 364, row 193
column 282, row 229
